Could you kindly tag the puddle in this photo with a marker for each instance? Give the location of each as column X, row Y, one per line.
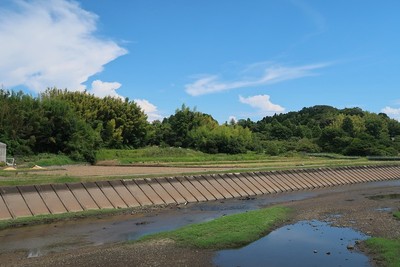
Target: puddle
column 306, row 243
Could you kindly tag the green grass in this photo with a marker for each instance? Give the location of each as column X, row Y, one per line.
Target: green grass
column 169, row 154
column 44, row 159
column 397, row 214
column 388, row 250
column 332, row 156
column 36, row 179
column 227, row 232
column 384, row 158
column 41, row 219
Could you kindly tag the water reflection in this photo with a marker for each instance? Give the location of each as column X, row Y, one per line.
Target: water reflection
column 306, row 243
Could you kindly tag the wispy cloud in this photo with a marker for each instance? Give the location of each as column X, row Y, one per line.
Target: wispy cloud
column 314, row 17
column 149, row 109
column 269, row 74
column 392, row 112
column 262, row 104
column 313, row 14
column 49, row 43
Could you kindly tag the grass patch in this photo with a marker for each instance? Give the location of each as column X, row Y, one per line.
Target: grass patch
column 50, row 218
column 36, row 179
column 377, row 158
column 397, row 215
column 227, row 232
column 388, row 250
column 44, row 159
column 389, row 196
column 332, row 156
column 169, row 154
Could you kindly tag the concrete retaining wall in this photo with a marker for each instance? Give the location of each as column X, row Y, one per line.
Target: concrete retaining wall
column 24, row 201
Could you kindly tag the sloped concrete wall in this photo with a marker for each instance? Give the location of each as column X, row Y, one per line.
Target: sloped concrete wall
column 24, row 201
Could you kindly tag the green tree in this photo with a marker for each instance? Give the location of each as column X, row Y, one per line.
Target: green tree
column 280, row 132
column 348, row 126
column 373, row 126
column 333, row 140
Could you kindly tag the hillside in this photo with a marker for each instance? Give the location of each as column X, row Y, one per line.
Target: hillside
column 77, row 124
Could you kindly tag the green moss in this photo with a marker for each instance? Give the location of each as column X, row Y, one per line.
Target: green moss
column 228, row 231
column 388, row 250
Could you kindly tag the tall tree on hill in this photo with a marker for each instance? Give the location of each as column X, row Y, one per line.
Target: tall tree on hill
column 120, row 122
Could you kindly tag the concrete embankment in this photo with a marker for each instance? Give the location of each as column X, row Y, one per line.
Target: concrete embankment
column 25, row 201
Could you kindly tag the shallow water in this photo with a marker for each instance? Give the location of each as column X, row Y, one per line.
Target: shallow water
column 306, row 243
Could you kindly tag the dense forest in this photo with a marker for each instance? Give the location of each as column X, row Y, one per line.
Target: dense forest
column 78, row 124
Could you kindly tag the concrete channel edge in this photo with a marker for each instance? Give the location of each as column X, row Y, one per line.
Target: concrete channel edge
column 32, row 200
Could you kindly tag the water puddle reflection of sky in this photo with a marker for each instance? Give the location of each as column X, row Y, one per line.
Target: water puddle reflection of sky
column 306, row 243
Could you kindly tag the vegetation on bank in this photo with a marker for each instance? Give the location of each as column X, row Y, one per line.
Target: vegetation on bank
column 156, row 154
column 171, row 156
column 78, row 124
column 44, row 160
column 386, row 250
column 18, row 179
column 228, row 231
column 51, row 218
column 184, row 157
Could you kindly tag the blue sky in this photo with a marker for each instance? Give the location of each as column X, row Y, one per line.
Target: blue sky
column 241, row 59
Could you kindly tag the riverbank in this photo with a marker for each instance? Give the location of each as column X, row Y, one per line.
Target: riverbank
column 354, row 206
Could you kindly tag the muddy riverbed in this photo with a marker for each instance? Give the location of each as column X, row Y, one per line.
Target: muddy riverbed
column 101, row 241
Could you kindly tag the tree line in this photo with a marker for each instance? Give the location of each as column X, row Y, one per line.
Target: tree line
column 78, row 124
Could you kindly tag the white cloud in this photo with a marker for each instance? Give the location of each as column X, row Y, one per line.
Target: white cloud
column 149, row 109
column 263, row 104
column 392, row 112
column 269, row 74
column 48, row 43
column 102, row 89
